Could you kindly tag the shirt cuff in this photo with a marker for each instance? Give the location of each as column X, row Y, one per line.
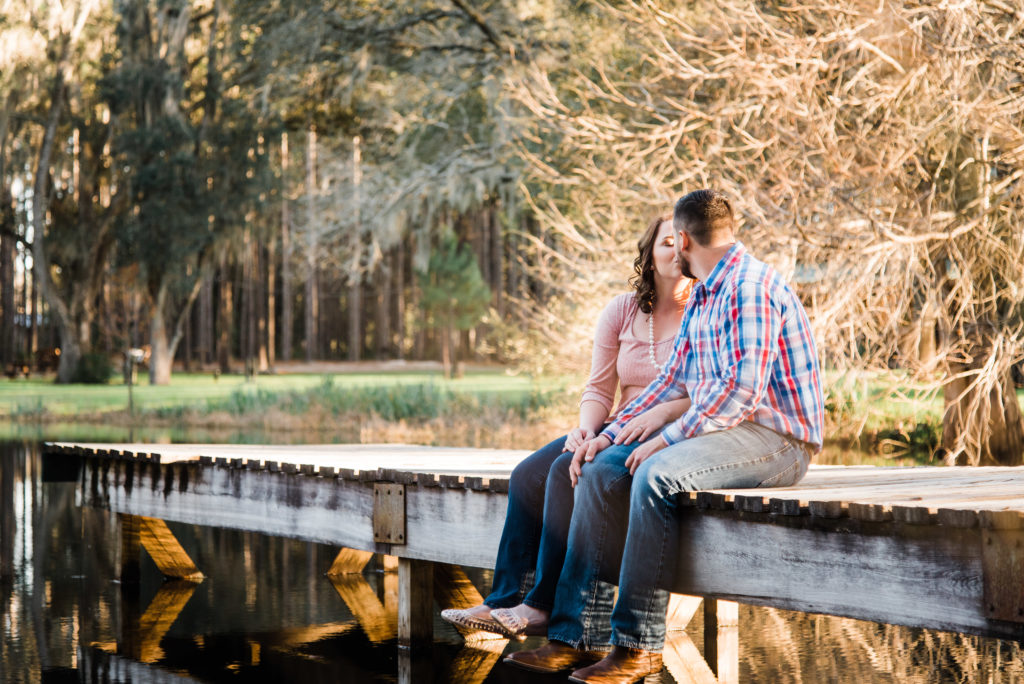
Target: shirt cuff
column 673, row 433
column 611, row 432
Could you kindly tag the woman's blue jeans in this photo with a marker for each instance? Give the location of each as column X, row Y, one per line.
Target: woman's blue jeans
column 631, row 522
column 532, row 546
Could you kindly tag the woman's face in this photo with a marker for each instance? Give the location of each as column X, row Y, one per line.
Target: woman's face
column 664, row 254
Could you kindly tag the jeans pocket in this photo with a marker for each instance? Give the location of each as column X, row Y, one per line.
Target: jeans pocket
column 789, row 475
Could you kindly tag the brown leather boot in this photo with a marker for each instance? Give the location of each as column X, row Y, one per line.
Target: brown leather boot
column 621, row 666
column 554, row 656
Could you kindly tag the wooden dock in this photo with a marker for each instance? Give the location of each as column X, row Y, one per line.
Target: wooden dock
column 932, row 547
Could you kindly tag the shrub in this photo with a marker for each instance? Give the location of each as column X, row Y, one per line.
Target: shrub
column 93, row 369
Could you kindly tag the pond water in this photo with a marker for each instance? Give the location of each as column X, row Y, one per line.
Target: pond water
column 266, row 611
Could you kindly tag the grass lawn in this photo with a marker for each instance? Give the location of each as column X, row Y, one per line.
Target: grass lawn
column 27, row 398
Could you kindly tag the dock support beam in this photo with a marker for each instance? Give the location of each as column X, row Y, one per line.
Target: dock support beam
column 349, row 562
column 415, row 602
column 152, row 534
column 722, row 639
column 681, row 609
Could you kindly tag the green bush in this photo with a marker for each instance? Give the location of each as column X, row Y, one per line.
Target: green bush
column 390, row 402
column 93, row 369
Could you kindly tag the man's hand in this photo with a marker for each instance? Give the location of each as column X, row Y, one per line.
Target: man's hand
column 644, row 452
column 577, row 437
column 642, row 426
column 585, row 454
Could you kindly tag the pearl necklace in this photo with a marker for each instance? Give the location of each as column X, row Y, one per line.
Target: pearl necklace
column 650, row 340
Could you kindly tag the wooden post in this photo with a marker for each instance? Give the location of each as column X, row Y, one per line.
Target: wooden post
column 131, row 555
column 414, row 666
column 131, row 548
column 415, row 602
column 8, row 526
column 721, row 639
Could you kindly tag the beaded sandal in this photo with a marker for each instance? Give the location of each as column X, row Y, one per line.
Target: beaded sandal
column 516, row 627
column 465, row 621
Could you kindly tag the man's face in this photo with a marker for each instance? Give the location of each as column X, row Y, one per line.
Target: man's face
column 683, row 242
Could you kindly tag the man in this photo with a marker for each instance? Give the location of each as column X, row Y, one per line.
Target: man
column 745, row 356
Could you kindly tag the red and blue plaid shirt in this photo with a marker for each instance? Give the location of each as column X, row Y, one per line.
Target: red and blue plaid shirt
column 744, row 351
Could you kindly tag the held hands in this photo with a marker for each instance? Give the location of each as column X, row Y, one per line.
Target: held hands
column 642, row 426
column 577, row 437
column 585, row 454
column 643, row 452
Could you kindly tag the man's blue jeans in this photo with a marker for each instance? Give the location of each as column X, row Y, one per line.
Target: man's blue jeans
column 637, row 514
column 532, row 545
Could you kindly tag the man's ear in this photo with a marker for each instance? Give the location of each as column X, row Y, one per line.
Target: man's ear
column 684, row 239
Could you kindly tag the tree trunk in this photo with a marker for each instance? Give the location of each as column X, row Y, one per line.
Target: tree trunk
column 71, row 351
column 108, row 320
column 6, row 298
column 497, row 261
column 188, row 349
column 205, row 316
column 164, row 342
column 160, row 358
column 312, row 295
column 225, row 320
column 382, row 311
column 419, row 342
column 268, row 338
column 446, row 346
column 398, row 269
column 355, row 275
column 287, row 298
column 251, row 308
column 982, row 423
column 247, row 327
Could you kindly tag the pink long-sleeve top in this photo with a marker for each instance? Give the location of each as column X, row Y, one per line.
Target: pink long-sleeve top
column 620, row 358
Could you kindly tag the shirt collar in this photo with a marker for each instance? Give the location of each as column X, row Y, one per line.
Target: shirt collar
column 724, row 265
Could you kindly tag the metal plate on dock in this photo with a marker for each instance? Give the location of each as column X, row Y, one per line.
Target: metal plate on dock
column 388, row 513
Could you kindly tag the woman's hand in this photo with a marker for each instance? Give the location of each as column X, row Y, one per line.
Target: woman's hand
column 576, row 438
column 642, row 426
column 585, row 454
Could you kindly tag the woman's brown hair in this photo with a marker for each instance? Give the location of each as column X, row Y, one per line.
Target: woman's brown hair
column 643, row 266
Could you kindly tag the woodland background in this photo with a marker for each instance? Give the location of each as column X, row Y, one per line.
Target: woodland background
column 237, row 183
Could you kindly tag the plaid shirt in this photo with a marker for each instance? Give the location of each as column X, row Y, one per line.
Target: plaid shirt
column 744, row 351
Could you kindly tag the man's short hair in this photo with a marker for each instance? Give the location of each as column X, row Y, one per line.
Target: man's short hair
column 706, row 215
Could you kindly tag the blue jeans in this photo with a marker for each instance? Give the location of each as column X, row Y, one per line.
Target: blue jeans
column 634, row 518
column 532, row 545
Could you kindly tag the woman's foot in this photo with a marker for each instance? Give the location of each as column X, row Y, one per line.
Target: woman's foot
column 482, row 611
column 522, row 621
column 475, row 619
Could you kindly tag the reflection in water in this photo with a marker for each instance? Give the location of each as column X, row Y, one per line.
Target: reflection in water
column 267, row 611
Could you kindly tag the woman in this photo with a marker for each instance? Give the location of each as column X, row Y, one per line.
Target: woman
column 632, row 341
